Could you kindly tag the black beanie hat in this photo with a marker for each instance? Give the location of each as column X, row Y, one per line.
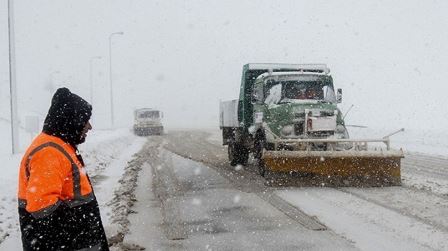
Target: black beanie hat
column 68, row 115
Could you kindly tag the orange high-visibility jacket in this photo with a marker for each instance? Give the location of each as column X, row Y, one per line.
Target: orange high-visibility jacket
column 50, row 174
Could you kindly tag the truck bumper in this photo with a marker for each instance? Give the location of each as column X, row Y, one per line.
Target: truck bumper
column 144, row 131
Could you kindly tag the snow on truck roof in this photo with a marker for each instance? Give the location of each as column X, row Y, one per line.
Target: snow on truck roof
column 289, row 73
column 299, row 67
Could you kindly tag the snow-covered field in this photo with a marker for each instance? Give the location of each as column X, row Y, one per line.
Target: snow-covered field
column 434, row 142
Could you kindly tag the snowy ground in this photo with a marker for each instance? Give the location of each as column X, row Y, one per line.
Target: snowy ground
column 177, row 192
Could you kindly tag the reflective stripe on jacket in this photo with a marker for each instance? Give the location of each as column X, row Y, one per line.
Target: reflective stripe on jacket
column 50, row 174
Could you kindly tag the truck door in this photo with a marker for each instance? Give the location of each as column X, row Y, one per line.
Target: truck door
column 245, row 107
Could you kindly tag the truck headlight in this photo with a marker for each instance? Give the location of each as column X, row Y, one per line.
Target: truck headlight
column 342, row 132
column 287, row 130
column 340, row 129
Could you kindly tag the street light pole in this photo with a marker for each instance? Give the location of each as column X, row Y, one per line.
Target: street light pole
column 12, row 80
column 110, row 78
column 91, row 77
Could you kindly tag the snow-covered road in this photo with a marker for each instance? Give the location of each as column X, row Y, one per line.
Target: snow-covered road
column 410, row 217
column 178, row 192
column 202, row 210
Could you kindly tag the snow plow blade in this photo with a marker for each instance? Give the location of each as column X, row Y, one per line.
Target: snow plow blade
column 372, row 168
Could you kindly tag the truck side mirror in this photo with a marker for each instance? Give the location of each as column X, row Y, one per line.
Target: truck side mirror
column 339, row 96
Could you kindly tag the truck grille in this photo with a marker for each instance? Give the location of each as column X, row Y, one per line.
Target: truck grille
column 326, row 113
column 299, row 128
column 322, row 134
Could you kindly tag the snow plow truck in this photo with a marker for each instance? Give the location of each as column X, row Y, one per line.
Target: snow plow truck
column 287, row 117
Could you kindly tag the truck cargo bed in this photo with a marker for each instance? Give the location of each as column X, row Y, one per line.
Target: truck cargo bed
column 228, row 113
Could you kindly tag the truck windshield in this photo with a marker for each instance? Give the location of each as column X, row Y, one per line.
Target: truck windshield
column 299, row 89
column 148, row 115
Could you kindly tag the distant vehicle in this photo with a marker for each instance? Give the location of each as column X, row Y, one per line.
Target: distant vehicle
column 287, row 116
column 147, row 121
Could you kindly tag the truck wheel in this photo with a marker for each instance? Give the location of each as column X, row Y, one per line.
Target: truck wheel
column 237, row 154
column 261, row 167
column 244, row 156
column 259, row 146
column 231, row 151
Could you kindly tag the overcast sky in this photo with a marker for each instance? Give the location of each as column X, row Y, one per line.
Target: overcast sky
column 390, row 57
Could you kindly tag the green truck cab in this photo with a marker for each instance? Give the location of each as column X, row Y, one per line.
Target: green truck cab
column 296, row 105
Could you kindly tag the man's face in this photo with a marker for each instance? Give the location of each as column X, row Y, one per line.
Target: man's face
column 86, row 128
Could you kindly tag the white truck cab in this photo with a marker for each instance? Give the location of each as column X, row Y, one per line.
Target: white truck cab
column 148, row 121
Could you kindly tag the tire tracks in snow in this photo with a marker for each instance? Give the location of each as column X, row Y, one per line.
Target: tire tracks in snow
column 167, row 189
column 421, row 219
column 248, row 180
column 427, row 173
column 243, row 180
column 368, row 225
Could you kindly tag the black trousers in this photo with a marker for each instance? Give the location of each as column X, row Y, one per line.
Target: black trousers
column 65, row 229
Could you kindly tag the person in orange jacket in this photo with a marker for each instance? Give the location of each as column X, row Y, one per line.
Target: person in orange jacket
column 58, row 209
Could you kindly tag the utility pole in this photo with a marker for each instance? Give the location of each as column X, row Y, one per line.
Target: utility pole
column 12, row 80
column 110, row 78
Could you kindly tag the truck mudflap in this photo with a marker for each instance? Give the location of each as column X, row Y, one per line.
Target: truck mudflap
column 372, row 168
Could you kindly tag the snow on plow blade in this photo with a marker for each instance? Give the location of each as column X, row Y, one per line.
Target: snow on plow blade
column 374, row 168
